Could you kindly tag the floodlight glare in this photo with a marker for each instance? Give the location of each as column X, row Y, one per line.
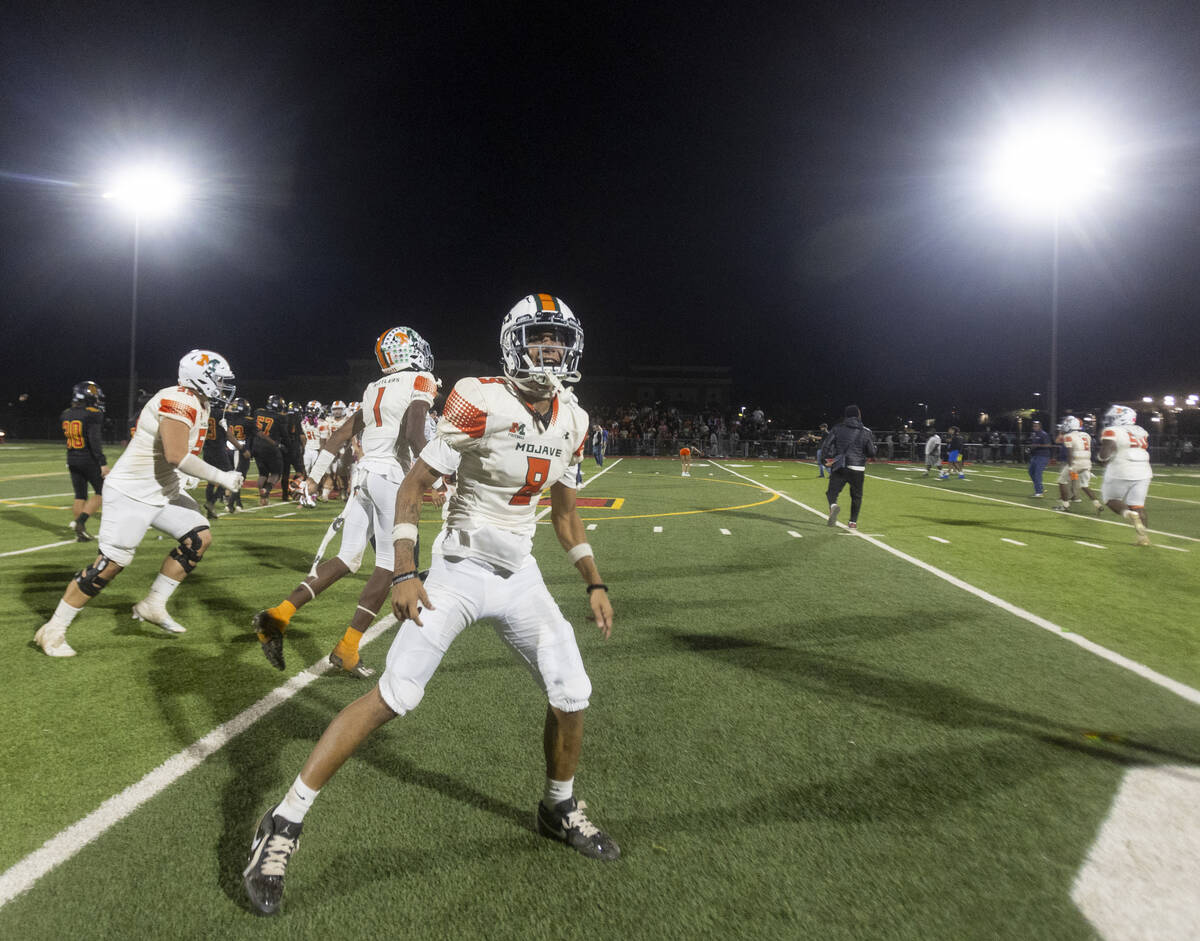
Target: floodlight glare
column 148, row 191
column 1049, row 165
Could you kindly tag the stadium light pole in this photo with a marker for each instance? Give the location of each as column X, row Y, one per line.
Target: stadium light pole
column 147, row 192
column 1048, row 167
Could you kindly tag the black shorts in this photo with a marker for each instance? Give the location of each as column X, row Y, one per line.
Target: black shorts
column 84, row 474
column 296, row 460
column 269, row 461
column 218, row 456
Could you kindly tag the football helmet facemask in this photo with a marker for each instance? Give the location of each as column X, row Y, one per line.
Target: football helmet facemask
column 209, row 374
column 403, row 348
column 238, row 407
column 87, row 393
column 522, row 347
column 338, row 409
column 275, row 403
column 1071, row 423
column 314, row 409
column 1120, row 415
column 353, row 407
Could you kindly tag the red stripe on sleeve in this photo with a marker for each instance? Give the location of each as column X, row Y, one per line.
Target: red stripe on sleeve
column 167, row 407
column 464, row 416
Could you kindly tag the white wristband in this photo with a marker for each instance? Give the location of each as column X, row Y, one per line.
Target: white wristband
column 321, row 465
column 581, row 551
column 404, row 531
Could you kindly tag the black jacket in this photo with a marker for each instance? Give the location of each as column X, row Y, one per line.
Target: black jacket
column 850, row 443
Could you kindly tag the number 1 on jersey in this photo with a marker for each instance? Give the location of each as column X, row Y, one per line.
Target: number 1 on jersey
column 535, row 478
column 378, row 401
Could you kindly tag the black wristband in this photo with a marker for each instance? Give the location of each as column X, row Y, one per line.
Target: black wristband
column 591, row 588
column 403, row 577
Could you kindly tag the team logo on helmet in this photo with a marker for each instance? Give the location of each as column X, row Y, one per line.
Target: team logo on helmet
column 209, row 374
column 87, row 393
column 1120, row 415
column 403, row 348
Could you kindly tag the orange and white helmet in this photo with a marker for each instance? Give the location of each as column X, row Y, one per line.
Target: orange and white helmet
column 353, row 407
column 403, row 348
column 338, row 409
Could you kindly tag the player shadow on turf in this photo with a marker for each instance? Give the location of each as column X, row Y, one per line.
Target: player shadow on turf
column 275, row 747
column 938, row 703
column 60, row 529
column 266, row 555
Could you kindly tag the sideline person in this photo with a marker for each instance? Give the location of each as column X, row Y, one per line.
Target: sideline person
column 847, row 449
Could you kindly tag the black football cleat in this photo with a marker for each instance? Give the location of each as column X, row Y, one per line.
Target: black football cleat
column 274, row 842
column 270, row 635
column 568, row 824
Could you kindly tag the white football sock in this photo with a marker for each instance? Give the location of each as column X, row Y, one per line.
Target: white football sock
column 64, row 614
column 298, row 801
column 557, row 792
column 162, row 589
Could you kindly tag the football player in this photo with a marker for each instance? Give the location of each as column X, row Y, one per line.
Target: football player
column 293, row 444
column 241, row 427
column 82, row 424
column 219, row 448
column 1125, row 452
column 270, row 428
column 393, row 433
column 143, row 490
column 509, row 437
column 1076, row 472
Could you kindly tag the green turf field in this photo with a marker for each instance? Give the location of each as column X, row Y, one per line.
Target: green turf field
column 796, row 731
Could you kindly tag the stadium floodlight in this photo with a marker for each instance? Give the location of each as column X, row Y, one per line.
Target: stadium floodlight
column 1147, row 399
column 1047, row 166
column 1169, row 400
column 1050, row 164
column 148, row 191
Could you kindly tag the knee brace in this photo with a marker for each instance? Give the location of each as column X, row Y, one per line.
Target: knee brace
column 89, row 580
column 188, row 552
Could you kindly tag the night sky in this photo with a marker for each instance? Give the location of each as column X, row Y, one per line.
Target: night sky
column 791, row 193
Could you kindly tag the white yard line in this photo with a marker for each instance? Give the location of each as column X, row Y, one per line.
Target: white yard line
column 1026, row 506
column 1090, row 545
column 1174, row 686
column 39, row 496
column 58, row 849
column 49, row 545
column 940, row 539
column 1014, row 542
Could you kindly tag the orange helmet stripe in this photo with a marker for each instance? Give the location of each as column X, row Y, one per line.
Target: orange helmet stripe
column 547, row 302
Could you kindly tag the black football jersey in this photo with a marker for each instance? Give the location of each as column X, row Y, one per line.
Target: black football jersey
column 270, row 423
column 82, row 426
column 242, row 428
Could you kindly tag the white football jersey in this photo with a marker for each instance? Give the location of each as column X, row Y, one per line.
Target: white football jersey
column 1079, row 449
column 1131, row 460
column 142, row 472
column 506, row 459
column 315, row 433
column 385, row 401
